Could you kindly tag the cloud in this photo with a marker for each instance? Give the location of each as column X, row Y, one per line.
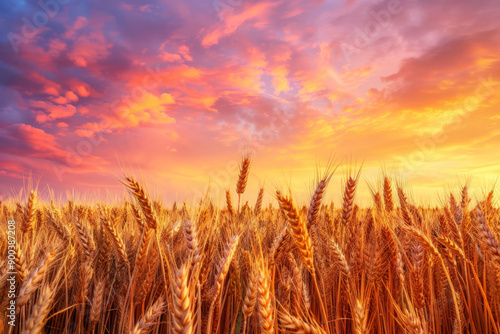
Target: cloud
column 444, row 72
column 89, row 48
column 173, row 84
column 232, row 21
column 49, row 111
column 149, row 110
column 28, row 141
column 72, row 96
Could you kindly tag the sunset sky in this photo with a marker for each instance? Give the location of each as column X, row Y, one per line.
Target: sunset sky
column 176, row 91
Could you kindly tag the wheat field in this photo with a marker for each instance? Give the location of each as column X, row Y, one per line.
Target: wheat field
column 141, row 267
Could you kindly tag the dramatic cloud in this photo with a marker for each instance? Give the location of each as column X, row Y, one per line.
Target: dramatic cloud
column 177, row 90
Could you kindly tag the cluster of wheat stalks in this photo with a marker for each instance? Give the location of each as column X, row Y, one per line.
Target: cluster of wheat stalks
column 143, row 268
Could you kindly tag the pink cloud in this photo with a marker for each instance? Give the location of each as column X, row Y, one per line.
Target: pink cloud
column 90, row 46
column 48, row 86
column 150, row 110
column 82, row 91
column 444, row 72
column 170, row 57
column 184, row 51
column 232, row 21
column 52, row 111
column 60, row 100
column 71, row 96
column 32, row 141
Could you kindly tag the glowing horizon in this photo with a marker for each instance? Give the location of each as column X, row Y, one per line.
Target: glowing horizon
column 177, row 91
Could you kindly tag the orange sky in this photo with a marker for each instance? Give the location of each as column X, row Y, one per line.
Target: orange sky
column 176, row 91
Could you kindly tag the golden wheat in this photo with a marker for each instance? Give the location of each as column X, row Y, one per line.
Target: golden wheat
column 142, row 267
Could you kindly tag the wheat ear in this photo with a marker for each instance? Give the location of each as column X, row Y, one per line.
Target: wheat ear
column 192, row 243
column 84, row 239
column 250, row 295
column 258, row 203
column 37, row 319
column 243, row 177
column 265, row 309
column 119, row 245
column 144, row 202
column 20, row 262
column 54, row 217
column 29, row 215
column 312, row 213
column 340, row 260
column 97, row 301
column 297, row 325
column 149, row 318
column 388, row 201
column 228, row 257
column 403, row 202
column 360, row 318
column 299, row 230
column 31, row 284
column 347, row 204
column 182, row 313
column 488, row 237
column 229, row 203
